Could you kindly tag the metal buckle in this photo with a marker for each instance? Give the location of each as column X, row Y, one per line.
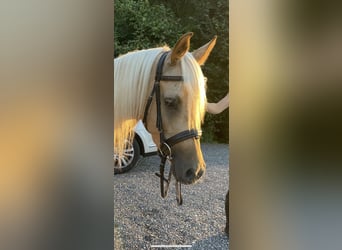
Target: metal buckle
column 199, row 134
column 162, row 153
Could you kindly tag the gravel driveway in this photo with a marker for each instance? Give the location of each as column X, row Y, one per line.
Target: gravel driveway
column 142, row 218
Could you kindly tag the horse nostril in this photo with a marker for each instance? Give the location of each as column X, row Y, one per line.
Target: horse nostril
column 190, row 173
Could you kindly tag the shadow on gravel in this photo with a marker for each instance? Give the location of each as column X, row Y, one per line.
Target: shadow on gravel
column 216, row 242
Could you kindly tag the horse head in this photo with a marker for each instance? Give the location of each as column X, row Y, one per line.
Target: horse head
column 182, row 107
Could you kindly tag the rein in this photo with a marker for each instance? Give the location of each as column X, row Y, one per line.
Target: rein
column 165, row 147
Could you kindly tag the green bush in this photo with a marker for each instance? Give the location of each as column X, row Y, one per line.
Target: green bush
column 140, row 25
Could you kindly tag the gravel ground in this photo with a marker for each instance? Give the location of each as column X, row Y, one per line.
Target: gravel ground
column 142, row 218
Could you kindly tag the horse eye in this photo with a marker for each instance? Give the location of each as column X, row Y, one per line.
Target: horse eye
column 171, row 102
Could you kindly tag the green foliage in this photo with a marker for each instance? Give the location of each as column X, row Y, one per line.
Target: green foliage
column 143, row 24
column 140, row 25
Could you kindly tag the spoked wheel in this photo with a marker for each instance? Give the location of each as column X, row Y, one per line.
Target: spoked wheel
column 128, row 160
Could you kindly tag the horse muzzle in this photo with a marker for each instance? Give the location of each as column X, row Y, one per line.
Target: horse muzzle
column 188, row 175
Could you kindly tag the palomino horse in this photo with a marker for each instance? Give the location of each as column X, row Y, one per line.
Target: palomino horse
column 166, row 88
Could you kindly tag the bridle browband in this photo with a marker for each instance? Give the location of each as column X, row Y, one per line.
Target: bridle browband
column 165, row 147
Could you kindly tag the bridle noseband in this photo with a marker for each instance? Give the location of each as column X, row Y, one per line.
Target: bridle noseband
column 165, row 147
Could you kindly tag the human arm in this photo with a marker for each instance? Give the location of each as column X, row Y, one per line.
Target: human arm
column 216, row 108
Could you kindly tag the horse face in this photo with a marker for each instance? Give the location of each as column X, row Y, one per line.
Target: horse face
column 176, row 104
column 183, row 107
column 176, row 110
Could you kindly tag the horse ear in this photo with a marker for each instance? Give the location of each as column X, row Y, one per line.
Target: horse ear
column 202, row 54
column 182, row 46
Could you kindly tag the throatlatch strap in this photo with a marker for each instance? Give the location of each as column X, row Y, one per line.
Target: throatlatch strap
column 149, row 101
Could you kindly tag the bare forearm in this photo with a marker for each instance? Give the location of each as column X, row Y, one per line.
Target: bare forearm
column 216, row 108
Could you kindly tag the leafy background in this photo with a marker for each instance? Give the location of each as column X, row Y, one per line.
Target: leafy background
column 142, row 24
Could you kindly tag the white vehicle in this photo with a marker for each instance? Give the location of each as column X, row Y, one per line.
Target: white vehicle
column 142, row 145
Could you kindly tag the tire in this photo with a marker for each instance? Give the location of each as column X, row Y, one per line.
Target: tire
column 129, row 159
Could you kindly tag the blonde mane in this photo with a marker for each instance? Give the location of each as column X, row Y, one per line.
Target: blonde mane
column 132, row 78
column 196, row 88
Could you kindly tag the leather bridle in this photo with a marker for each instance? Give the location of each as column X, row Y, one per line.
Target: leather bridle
column 165, row 147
